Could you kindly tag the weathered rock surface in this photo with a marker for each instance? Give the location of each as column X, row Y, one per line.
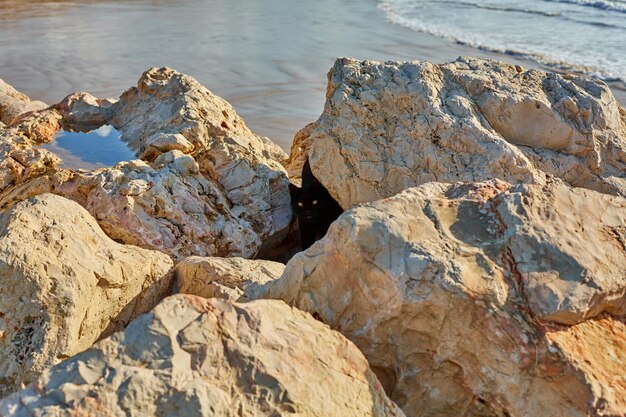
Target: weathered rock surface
column 479, row 300
column 20, row 157
column 13, row 103
column 390, row 126
column 298, row 154
column 196, row 357
column 168, row 205
column 205, row 185
column 227, row 278
column 64, row 284
column 247, row 167
column 83, row 109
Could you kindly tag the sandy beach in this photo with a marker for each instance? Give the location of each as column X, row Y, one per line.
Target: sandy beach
column 268, row 59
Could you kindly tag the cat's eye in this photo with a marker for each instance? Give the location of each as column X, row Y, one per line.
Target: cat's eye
column 314, row 202
column 301, row 205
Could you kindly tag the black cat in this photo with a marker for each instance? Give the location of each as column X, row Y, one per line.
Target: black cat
column 314, row 207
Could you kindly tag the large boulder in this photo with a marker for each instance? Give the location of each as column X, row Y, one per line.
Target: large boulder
column 203, row 183
column 227, row 278
column 167, row 205
column 64, row 284
column 246, row 166
column 13, row 103
column 478, row 299
column 84, row 110
column 20, row 158
column 196, row 357
column 390, row 126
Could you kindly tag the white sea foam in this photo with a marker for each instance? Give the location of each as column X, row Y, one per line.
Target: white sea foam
column 615, row 6
column 555, row 33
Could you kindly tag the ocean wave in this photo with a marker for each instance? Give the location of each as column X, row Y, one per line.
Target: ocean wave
column 397, row 17
column 504, row 9
column 536, row 12
column 554, row 64
column 614, row 6
column 530, row 11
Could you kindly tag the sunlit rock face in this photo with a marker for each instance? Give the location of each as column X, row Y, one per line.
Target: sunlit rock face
column 13, row 103
column 245, row 166
column 196, row 180
column 481, row 299
column 228, row 278
column 196, row 357
column 393, row 125
column 64, row 284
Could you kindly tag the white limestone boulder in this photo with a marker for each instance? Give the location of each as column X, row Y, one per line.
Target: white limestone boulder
column 394, row 125
column 168, row 205
column 13, row 103
column 64, row 284
column 194, row 357
column 227, row 278
column 203, row 183
column 246, row 166
column 481, row 299
column 83, row 109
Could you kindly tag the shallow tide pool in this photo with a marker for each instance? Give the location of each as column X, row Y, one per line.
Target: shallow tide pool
column 98, row 148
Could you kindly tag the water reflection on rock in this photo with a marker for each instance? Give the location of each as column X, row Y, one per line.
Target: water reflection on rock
column 99, row 148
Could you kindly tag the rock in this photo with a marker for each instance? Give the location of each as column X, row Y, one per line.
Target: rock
column 226, row 278
column 64, row 285
column 298, row 154
column 598, row 348
column 171, row 207
column 244, row 164
column 390, row 126
column 34, row 128
column 196, row 357
column 21, row 158
column 478, row 299
column 161, row 142
column 205, row 185
column 13, row 103
column 83, row 109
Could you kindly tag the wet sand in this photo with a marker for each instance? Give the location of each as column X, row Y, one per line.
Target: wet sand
column 269, row 59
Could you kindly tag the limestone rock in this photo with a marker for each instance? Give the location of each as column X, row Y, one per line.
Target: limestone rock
column 478, row 299
column 83, row 109
column 13, row 103
column 171, row 207
column 204, row 184
column 64, row 284
column 196, row 357
column 21, row 158
column 243, row 163
column 299, row 153
column 390, row 126
column 160, row 143
column 227, row 278
column 598, row 348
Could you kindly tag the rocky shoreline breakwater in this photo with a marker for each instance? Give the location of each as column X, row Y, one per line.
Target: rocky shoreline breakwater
column 479, row 268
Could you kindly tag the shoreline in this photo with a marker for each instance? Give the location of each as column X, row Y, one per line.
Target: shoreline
column 277, row 86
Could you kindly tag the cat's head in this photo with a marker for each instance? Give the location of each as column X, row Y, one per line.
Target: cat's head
column 305, row 202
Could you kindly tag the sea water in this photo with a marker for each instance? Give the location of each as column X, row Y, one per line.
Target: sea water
column 582, row 35
column 99, row 148
column 269, row 58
